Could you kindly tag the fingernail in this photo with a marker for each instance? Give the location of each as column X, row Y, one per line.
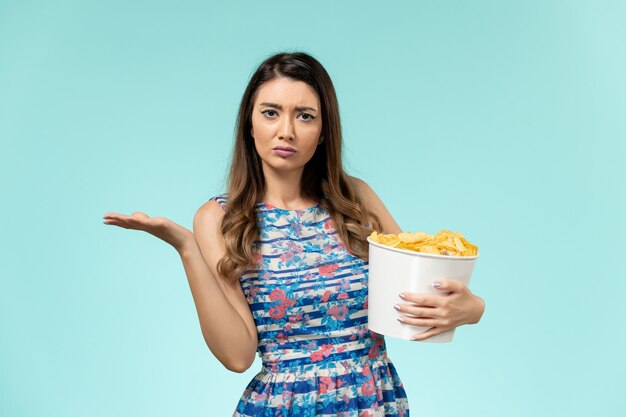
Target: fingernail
column 400, row 319
column 396, row 306
column 402, row 296
column 436, row 284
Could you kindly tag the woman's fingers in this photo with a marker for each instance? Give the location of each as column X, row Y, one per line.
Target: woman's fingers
column 114, row 223
column 418, row 311
column 423, row 300
column 138, row 220
column 114, row 216
column 426, row 321
column 119, row 216
column 422, row 316
column 160, row 227
column 422, row 322
column 428, row 333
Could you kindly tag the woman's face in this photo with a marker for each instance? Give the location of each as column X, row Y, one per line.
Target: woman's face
column 286, row 124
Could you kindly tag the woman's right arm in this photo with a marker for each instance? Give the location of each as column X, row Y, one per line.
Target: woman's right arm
column 225, row 317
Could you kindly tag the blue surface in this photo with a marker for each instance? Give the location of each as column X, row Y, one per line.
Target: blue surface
column 500, row 119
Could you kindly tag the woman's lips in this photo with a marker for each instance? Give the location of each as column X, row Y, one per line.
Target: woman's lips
column 284, row 152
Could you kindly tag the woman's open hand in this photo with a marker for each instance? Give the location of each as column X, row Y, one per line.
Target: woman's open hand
column 165, row 229
column 441, row 312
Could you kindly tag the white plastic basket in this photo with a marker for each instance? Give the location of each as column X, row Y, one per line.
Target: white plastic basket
column 393, row 271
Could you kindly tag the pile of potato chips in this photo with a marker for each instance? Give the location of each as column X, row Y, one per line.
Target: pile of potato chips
column 444, row 242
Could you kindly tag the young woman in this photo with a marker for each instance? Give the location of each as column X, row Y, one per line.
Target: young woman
column 278, row 264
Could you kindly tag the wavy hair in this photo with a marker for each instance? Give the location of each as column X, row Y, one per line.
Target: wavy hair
column 323, row 179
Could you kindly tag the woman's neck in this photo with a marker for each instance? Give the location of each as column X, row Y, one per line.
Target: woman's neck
column 284, row 190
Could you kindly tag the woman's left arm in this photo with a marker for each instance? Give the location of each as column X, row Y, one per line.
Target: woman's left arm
column 456, row 307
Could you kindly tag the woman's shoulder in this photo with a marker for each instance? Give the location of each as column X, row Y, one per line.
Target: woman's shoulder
column 209, row 216
column 362, row 188
column 221, row 199
column 212, row 210
column 373, row 203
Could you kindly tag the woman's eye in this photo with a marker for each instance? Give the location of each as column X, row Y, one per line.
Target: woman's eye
column 269, row 113
column 307, row 116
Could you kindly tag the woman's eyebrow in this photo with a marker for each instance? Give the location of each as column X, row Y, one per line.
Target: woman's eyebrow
column 279, row 107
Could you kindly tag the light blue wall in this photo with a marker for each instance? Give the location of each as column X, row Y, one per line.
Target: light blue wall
column 504, row 120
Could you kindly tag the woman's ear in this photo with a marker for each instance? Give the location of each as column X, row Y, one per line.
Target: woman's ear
column 252, row 132
column 319, row 142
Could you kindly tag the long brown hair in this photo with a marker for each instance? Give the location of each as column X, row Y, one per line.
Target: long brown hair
column 323, row 179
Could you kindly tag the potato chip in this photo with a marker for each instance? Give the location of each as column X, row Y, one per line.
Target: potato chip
column 445, row 242
column 412, row 237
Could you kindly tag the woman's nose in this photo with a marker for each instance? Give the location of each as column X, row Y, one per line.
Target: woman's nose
column 286, row 130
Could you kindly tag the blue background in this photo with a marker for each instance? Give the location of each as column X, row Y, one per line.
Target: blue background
column 500, row 119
